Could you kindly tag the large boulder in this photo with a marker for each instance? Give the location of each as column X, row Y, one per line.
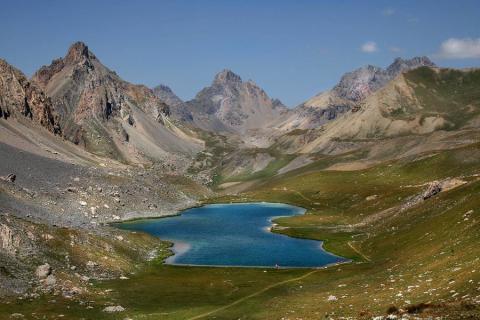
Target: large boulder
column 433, row 188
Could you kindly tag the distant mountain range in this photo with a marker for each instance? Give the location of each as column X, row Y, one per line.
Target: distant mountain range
column 80, row 99
column 231, row 105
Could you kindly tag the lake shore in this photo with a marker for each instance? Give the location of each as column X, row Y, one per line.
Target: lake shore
column 237, row 236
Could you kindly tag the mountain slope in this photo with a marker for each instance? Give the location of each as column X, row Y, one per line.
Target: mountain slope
column 107, row 115
column 353, row 87
column 232, row 105
column 420, row 101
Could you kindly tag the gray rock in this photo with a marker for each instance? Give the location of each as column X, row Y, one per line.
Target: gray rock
column 91, row 264
column 50, row 280
column 43, row 271
column 111, row 309
column 72, row 189
column 10, row 178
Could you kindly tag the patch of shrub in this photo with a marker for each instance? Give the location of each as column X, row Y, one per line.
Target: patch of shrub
column 392, row 309
column 418, row 308
column 468, row 306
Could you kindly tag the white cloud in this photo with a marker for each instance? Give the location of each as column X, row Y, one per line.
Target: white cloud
column 369, row 47
column 395, row 49
column 388, row 12
column 454, row 48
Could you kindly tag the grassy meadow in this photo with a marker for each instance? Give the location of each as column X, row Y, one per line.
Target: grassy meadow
column 420, row 257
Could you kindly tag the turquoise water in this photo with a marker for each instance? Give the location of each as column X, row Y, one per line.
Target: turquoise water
column 234, row 235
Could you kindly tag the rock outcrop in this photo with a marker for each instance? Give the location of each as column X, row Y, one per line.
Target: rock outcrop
column 21, row 98
column 10, row 242
column 9, row 177
column 433, row 188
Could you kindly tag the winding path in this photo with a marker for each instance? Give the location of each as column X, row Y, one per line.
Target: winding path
column 253, row 295
column 358, row 251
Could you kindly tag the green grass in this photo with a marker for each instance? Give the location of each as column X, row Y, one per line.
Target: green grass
column 279, row 160
column 182, row 292
column 334, row 241
column 270, row 170
column 453, row 94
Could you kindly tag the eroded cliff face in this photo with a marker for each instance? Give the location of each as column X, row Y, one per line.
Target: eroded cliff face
column 22, row 98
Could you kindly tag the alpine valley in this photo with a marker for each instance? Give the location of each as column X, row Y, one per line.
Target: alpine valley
column 386, row 164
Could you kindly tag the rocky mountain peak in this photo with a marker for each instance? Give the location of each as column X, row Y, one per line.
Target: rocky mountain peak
column 167, row 95
column 164, row 88
column 358, row 84
column 78, row 52
column 232, row 105
column 78, row 55
column 277, row 103
column 227, row 77
column 370, row 68
column 400, row 65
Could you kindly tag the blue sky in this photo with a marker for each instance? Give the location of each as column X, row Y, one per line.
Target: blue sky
column 293, row 49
